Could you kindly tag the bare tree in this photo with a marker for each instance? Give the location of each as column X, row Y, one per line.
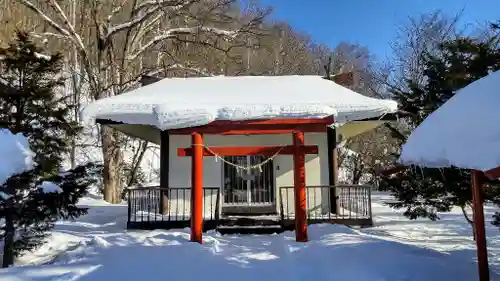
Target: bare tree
column 123, row 40
column 416, row 37
column 111, row 44
column 361, row 157
column 365, row 156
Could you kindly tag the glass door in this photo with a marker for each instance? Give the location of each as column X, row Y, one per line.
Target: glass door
column 248, row 187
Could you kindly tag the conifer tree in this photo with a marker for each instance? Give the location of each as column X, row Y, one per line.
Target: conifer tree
column 30, row 105
column 33, row 107
column 425, row 191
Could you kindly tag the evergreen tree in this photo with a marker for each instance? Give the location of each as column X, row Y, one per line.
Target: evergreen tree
column 425, row 191
column 29, row 105
column 33, row 107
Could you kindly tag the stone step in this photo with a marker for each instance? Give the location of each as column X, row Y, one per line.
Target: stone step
column 250, row 221
column 256, row 229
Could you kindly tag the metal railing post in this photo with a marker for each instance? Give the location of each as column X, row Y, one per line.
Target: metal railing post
column 129, row 207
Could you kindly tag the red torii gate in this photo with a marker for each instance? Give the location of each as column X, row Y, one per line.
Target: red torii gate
column 296, row 127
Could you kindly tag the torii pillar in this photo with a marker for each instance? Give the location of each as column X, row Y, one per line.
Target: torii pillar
column 478, row 221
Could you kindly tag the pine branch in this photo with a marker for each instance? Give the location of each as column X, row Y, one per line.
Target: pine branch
column 395, row 132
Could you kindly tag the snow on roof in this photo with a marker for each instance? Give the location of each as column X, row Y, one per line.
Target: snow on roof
column 188, row 102
column 17, row 156
column 463, row 132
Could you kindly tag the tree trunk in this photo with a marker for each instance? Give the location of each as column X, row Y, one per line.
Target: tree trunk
column 10, row 233
column 466, row 216
column 111, row 170
column 137, row 162
column 473, row 231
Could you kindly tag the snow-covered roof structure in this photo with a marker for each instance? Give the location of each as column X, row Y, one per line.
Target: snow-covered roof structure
column 464, row 132
column 187, row 102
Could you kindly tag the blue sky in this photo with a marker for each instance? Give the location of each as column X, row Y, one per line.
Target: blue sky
column 371, row 23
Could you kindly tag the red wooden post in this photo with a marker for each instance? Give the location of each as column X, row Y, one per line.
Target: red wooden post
column 299, row 184
column 479, row 230
column 197, row 187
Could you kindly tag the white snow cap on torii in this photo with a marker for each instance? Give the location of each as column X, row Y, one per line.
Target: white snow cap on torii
column 187, row 102
column 464, row 132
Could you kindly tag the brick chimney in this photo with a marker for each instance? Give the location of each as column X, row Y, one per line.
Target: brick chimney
column 345, row 79
column 147, row 80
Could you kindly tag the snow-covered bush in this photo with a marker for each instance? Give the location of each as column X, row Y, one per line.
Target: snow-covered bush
column 30, row 206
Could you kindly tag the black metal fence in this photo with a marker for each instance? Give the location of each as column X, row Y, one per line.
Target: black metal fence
column 145, row 209
column 352, row 204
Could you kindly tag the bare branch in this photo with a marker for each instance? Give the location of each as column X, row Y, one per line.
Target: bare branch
column 143, row 30
column 131, row 23
column 116, row 10
column 174, row 4
column 44, row 35
column 71, row 28
column 51, row 22
column 151, row 7
column 181, row 67
column 466, row 216
column 175, row 32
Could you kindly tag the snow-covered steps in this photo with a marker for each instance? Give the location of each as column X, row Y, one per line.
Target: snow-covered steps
column 270, row 229
column 250, row 220
column 266, row 224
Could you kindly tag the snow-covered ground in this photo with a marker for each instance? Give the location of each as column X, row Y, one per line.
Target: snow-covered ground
column 451, row 234
column 97, row 247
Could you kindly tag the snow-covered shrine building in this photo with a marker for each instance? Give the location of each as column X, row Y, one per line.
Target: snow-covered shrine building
column 244, row 151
